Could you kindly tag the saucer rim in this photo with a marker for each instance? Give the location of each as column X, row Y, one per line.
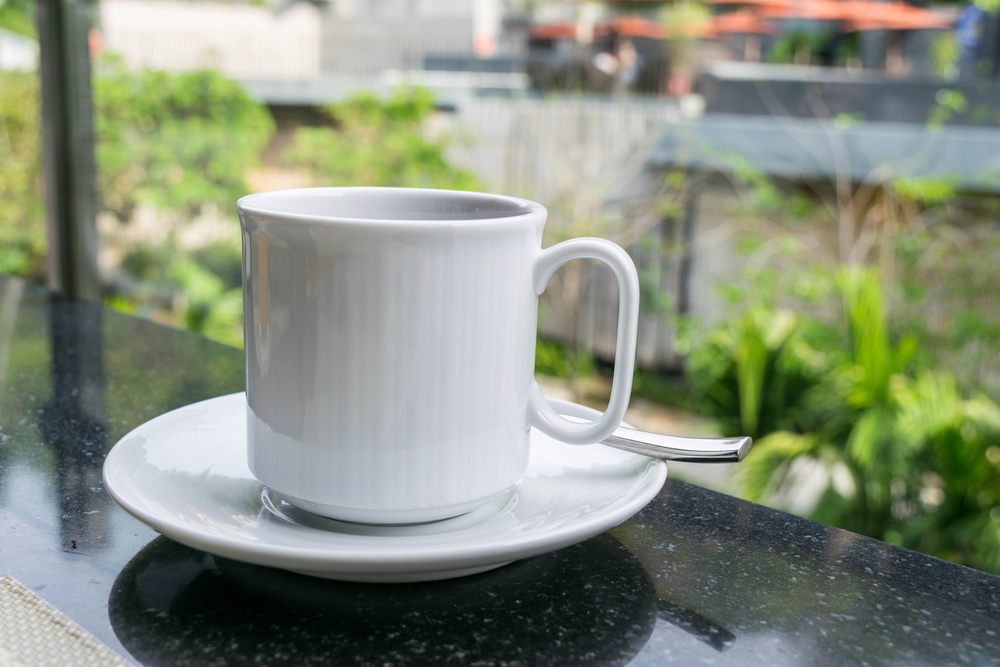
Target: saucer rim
column 413, row 558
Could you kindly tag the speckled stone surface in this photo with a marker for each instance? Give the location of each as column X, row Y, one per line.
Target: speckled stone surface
column 695, row 578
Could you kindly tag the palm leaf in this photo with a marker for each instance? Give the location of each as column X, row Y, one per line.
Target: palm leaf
column 761, row 472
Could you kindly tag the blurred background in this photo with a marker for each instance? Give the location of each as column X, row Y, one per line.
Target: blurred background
column 809, row 189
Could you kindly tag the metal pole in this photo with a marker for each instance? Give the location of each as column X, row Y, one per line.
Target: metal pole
column 687, row 250
column 68, row 135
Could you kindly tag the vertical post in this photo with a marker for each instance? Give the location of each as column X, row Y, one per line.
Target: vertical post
column 687, row 250
column 68, row 135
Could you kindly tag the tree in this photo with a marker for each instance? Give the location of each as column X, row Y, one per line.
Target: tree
column 22, row 215
column 178, row 141
column 18, row 16
column 376, row 142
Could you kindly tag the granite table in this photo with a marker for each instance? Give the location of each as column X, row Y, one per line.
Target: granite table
column 695, row 578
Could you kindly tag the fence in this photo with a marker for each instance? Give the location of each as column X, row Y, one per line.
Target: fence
column 576, row 156
column 570, row 154
column 545, row 150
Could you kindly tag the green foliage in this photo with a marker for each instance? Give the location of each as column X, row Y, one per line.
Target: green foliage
column 121, row 304
column 752, row 372
column 552, row 358
column 18, row 16
column 983, row 113
column 177, row 141
column 203, row 288
column 210, row 309
column 990, row 6
column 682, row 21
column 181, row 141
column 873, row 359
column 22, row 215
column 948, row 103
column 847, row 121
column 653, row 299
column 926, row 190
column 765, row 197
column 662, row 389
column 943, row 51
column 149, row 263
column 907, row 458
column 377, row 142
column 798, row 46
column 946, row 289
column 771, row 456
column 225, row 260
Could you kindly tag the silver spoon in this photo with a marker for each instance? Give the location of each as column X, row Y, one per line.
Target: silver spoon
column 675, row 448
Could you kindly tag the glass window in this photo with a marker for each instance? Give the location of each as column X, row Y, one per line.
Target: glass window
column 807, row 187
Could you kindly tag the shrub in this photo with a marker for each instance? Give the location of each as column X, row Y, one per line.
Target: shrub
column 903, row 455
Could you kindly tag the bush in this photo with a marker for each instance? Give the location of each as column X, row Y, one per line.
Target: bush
column 22, row 215
column 177, row 141
column 905, row 456
column 752, row 374
column 552, row 358
column 377, row 143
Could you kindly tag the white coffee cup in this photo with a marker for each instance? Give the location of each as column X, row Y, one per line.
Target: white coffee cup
column 390, row 347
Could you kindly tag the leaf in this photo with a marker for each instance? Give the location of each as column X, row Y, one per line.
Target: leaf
column 867, row 438
column 759, row 476
column 927, row 406
column 984, row 414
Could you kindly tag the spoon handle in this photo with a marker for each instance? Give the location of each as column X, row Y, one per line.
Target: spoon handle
column 676, row 448
column 658, row 446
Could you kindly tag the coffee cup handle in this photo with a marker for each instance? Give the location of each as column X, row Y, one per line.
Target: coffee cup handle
column 541, row 415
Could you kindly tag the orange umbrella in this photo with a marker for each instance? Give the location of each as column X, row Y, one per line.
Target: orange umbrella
column 855, row 15
column 897, row 24
column 819, row 10
column 869, row 15
column 552, row 31
column 745, row 21
column 636, row 26
column 859, row 14
column 752, row 3
column 627, row 26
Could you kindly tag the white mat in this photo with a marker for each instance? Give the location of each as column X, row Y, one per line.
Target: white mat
column 33, row 633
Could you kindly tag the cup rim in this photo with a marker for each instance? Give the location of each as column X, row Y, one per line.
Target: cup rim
column 263, row 205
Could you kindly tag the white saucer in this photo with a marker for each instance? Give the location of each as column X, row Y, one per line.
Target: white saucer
column 185, row 474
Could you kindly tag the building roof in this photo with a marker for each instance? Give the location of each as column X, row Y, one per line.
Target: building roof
column 851, row 14
column 743, row 21
column 811, row 149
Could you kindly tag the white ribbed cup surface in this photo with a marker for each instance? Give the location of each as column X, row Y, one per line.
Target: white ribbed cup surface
column 389, row 361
